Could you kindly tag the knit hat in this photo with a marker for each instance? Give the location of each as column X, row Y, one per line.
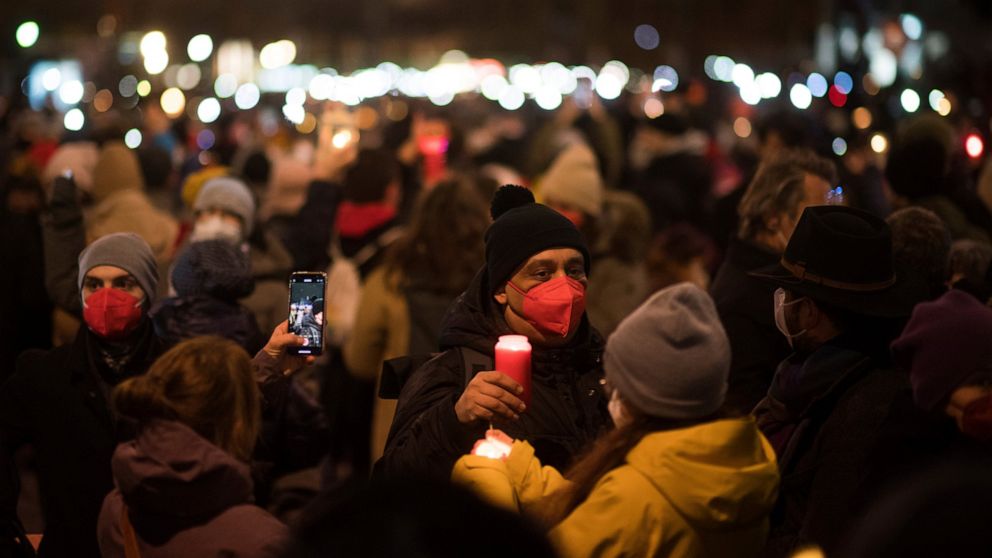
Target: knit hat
column 127, row 251
column 670, row 358
column 573, row 179
column 522, row 228
column 117, row 169
column 945, row 344
column 213, row 267
column 228, row 194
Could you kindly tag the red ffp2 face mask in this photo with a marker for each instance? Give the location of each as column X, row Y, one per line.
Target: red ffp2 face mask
column 554, row 307
column 112, row 313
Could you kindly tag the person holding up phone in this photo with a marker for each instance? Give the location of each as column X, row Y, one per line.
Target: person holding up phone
column 533, row 284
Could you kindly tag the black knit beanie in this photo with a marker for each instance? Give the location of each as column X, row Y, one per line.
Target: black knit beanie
column 522, row 228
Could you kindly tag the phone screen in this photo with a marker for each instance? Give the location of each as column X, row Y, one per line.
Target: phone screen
column 306, row 311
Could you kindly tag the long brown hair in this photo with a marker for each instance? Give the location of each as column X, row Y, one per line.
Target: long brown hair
column 444, row 241
column 605, row 454
column 207, row 384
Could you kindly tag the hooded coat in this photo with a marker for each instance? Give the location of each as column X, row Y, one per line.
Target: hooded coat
column 706, row 490
column 567, row 409
column 184, row 497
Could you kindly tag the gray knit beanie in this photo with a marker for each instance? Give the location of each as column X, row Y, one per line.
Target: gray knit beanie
column 670, row 358
column 228, row 194
column 127, row 251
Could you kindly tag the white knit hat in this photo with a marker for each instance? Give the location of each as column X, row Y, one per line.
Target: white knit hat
column 573, row 179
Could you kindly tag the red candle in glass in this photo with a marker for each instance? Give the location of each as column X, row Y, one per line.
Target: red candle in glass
column 513, row 359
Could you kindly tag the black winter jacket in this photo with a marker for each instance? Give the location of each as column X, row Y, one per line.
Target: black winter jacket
column 567, row 409
column 55, row 401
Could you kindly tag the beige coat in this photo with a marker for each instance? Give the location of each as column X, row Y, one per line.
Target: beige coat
column 382, row 332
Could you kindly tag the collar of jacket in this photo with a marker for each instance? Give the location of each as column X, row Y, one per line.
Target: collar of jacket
column 748, row 255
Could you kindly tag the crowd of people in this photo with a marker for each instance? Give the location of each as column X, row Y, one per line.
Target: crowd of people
column 743, row 349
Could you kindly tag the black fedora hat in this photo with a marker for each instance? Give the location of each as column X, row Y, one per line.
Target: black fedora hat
column 843, row 257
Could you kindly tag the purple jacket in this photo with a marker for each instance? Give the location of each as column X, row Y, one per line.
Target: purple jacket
column 185, row 497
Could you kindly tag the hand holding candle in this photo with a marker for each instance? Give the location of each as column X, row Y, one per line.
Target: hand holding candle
column 490, row 395
column 496, row 445
column 513, row 359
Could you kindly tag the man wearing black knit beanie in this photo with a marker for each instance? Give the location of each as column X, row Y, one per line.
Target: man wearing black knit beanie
column 533, row 284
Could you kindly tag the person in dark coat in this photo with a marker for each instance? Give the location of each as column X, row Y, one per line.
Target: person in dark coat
column 57, row 400
column 784, row 185
column 442, row 410
column 183, row 486
column 209, row 278
column 837, row 399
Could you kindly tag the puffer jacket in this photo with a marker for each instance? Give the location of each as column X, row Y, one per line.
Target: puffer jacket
column 705, row 490
column 567, row 409
column 184, row 497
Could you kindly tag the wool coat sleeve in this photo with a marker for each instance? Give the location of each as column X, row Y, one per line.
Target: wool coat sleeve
column 64, row 234
column 426, row 437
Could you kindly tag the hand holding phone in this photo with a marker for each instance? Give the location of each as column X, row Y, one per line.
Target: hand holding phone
column 306, row 311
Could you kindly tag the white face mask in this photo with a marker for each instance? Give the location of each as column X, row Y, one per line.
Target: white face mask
column 780, row 322
column 617, row 411
column 216, row 227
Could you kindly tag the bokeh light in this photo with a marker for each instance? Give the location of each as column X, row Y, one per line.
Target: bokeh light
column 974, row 146
column 879, row 143
column 646, row 37
column 209, row 110
column 132, row 138
column 742, row 127
column 800, row 96
column 27, row 34
column 861, row 117
column 74, row 120
column 247, row 96
column 173, row 101
column 839, row 145
column 910, row 100
column 200, row 47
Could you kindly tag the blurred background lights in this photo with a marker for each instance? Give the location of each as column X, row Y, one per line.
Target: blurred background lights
column 935, row 97
column 200, row 48
column 742, row 75
column 296, row 96
column 71, row 92
column 910, row 100
column 548, row 98
column 751, row 93
column 128, row 86
column 742, row 127
column 156, row 62
column 844, row 82
column 665, row 79
column 173, row 101
column 247, row 96
column 839, row 146
column 209, row 110
column 205, row 139
column 723, row 68
column 911, row 26
column 294, row 113
column 879, row 143
column 646, row 37
column 944, row 106
column 27, row 34
column 492, row 86
column 609, row 86
column 103, row 100
column 511, row 98
column 74, row 120
column 861, row 117
column 144, row 88
column 974, row 146
column 188, row 76
column 225, row 85
column 132, row 138
column 51, row 79
column 817, row 84
column 341, row 139
column 151, row 43
column 769, row 85
column 277, row 54
column 800, row 96
column 653, row 107
column 525, row 77
column 883, row 68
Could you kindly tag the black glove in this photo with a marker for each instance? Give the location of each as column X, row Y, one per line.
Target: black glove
column 63, row 207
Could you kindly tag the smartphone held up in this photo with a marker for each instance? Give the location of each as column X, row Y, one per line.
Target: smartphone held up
column 306, row 311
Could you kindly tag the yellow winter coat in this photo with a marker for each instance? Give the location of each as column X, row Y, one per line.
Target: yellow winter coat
column 706, row 490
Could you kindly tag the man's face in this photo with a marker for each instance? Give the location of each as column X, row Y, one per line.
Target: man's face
column 538, row 269
column 815, row 190
column 108, row 276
